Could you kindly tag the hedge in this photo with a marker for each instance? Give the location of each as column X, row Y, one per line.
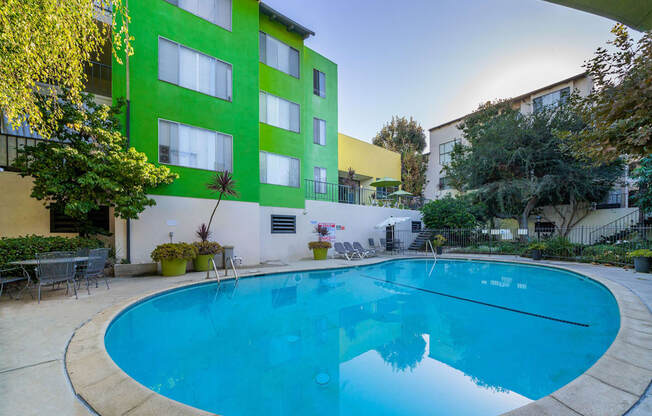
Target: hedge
column 25, row 248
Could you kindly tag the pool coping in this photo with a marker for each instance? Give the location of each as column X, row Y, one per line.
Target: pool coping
column 610, row 387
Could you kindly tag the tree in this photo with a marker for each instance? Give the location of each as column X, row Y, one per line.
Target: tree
column 618, row 113
column 516, row 163
column 449, row 213
column 223, row 184
column 407, row 138
column 87, row 164
column 44, row 42
column 643, row 177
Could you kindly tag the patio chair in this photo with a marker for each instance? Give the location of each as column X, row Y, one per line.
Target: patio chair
column 340, row 250
column 372, row 246
column 364, row 251
column 383, row 244
column 350, row 248
column 11, row 275
column 56, row 267
column 94, row 267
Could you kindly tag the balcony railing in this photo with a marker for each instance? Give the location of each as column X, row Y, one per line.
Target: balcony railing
column 344, row 194
column 9, row 145
column 98, row 78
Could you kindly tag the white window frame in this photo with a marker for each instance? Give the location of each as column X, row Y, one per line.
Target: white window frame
column 158, row 153
column 179, row 46
column 230, row 28
column 320, row 186
column 566, row 90
column 274, row 125
column 298, row 76
column 288, row 157
column 315, row 123
column 318, row 92
column 454, row 141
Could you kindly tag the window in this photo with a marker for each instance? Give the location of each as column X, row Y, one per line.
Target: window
column 319, row 83
column 319, row 131
column 445, row 183
column 190, row 69
column 445, row 150
column 278, row 112
column 548, row 100
column 193, row 147
column 284, row 224
column 61, row 223
column 279, row 170
column 278, row 55
column 215, row 11
column 320, row 180
column 416, row 226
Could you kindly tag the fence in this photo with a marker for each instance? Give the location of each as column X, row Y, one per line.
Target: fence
column 344, row 194
column 576, row 244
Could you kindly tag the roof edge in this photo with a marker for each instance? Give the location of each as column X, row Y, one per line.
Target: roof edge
column 291, row 25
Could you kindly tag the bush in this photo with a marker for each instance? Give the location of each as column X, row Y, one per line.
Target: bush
column 174, row 251
column 604, row 253
column 640, row 253
column 26, row 248
column 207, row 247
column 449, row 212
column 559, row 247
column 439, row 240
column 537, row 246
column 319, row 244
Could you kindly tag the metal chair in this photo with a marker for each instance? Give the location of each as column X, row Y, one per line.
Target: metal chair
column 11, row 275
column 56, row 267
column 94, row 267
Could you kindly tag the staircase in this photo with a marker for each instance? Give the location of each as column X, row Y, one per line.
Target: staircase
column 419, row 243
column 619, row 229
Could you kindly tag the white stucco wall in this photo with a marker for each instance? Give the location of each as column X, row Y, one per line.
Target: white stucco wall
column 235, row 224
column 358, row 222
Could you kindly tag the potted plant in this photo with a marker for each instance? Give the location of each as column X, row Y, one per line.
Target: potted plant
column 205, row 249
column 174, row 257
column 438, row 243
column 320, row 248
column 536, row 250
column 642, row 259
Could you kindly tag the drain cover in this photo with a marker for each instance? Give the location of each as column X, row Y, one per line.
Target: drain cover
column 322, row 378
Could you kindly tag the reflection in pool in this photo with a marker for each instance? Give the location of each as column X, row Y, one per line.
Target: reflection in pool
column 397, row 338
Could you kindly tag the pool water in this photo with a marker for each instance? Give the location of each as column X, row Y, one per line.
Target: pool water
column 405, row 337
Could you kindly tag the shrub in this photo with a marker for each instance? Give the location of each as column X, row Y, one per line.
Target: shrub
column 604, row 253
column 449, row 212
column 643, row 252
column 319, row 244
column 439, row 240
column 207, row 247
column 559, row 247
column 26, row 248
column 174, row 251
column 538, row 246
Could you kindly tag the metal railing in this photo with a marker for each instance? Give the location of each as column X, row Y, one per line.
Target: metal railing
column 9, row 146
column 345, row 194
column 98, row 78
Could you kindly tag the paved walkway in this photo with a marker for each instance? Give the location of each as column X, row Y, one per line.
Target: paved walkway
column 34, row 336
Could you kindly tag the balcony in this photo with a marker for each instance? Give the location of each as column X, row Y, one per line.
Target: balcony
column 98, row 78
column 344, row 194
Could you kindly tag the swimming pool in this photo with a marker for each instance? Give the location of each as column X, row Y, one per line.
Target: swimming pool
column 396, row 338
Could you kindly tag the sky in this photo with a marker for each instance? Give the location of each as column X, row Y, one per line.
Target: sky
column 436, row 60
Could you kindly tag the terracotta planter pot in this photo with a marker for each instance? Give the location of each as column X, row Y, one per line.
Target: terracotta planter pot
column 174, row 267
column 642, row 264
column 202, row 263
column 320, row 253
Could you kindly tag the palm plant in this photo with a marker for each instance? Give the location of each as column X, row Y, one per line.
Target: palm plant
column 224, row 184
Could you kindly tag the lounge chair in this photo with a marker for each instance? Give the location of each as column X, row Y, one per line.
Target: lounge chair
column 350, row 248
column 365, row 252
column 340, row 250
column 372, row 246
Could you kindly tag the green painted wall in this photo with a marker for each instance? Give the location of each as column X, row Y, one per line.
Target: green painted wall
column 152, row 99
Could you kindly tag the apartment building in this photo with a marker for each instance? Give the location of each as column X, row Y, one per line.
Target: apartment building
column 216, row 85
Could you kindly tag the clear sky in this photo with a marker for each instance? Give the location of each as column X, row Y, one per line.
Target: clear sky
column 437, row 60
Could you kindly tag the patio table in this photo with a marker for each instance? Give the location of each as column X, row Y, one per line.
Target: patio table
column 25, row 264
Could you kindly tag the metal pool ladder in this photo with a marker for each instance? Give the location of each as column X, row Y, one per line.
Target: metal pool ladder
column 217, row 274
column 434, row 255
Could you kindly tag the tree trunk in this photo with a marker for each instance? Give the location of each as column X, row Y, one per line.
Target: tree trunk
column 214, row 209
column 523, row 220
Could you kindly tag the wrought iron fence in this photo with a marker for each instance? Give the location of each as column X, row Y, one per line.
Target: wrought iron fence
column 344, row 194
column 576, row 244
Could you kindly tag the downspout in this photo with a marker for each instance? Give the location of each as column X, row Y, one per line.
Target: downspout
column 128, row 125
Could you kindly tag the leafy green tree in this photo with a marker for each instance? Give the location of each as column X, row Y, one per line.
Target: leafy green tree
column 643, row 177
column 618, row 113
column 87, row 165
column 408, row 138
column 516, row 163
column 44, row 42
column 449, row 213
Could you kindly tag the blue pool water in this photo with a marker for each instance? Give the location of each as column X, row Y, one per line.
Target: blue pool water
column 397, row 338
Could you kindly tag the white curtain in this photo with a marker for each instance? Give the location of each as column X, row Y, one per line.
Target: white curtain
column 223, row 17
column 188, row 68
column 194, row 147
column 319, row 131
column 216, row 11
column 206, row 74
column 279, row 170
column 168, row 61
column 223, row 87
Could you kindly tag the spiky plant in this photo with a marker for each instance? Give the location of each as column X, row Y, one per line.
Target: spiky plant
column 203, row 233
column 224, row 184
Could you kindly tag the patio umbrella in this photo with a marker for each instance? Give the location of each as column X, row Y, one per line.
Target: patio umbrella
column 392, row 221
column 385, row 182
column 400, row 192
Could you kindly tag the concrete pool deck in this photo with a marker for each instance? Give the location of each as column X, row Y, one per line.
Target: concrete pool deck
column 33, row 377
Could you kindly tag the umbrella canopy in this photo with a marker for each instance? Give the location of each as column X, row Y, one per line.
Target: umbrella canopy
column 400, row 192
column 392, row 221
column 386, row 181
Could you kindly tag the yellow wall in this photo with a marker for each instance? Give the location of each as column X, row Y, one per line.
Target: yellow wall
column 367, row 159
